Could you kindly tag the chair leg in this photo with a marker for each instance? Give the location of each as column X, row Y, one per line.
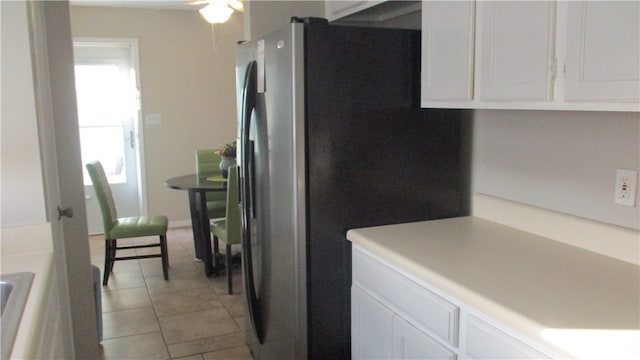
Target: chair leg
column 216, row 257
column 108, row 263
column 229, row 282
column 112, row 261
column 165, row 256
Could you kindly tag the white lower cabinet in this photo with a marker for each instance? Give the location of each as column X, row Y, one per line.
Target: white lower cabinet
column 411, row 343
column 371, row 327
column 394, row 316
column 485, row 341
column 48, row 342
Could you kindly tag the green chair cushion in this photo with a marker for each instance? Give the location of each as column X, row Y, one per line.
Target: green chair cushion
column 219, row 228
column 136, row 226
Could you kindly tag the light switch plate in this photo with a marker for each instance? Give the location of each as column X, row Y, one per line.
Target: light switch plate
column 626, row 185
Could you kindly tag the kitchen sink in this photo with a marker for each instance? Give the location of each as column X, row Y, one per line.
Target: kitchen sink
column 14, row 291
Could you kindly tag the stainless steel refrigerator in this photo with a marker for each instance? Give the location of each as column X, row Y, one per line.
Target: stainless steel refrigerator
column 332, row 137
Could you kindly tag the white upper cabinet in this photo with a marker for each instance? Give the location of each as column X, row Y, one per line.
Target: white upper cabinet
column 539, row 55
column 603, row 55
column 515, row 50
column 447, row 50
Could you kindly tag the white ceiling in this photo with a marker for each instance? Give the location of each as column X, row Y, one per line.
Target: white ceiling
column 149, row 4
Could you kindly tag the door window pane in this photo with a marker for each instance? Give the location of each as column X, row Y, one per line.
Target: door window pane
column 103, row 108
column 102, row 95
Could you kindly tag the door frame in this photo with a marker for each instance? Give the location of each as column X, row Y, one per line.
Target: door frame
column 132, row 43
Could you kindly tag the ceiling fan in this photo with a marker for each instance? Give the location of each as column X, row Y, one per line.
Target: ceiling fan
column 218, row 11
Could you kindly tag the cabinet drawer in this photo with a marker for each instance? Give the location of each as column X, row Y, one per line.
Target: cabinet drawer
column 412, row 301
column 484, row 341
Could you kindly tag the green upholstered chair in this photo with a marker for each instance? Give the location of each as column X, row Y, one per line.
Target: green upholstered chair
column 128, row 227
column 208, row 162
column 229, row 230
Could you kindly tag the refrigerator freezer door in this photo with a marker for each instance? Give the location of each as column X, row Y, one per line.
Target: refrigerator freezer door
column 273, row 271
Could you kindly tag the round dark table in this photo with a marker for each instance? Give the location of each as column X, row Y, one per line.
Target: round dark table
column 197, row 185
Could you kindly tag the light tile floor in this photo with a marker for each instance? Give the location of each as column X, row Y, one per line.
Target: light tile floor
column 189, row 316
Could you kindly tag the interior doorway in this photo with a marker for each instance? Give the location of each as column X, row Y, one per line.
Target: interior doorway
column 107, row 88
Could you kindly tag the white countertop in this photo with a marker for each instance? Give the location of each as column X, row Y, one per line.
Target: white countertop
column 564, row 297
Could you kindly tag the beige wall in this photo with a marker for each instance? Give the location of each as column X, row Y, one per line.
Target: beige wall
column 187, row 72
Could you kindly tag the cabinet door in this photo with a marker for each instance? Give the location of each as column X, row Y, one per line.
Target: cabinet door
column 447, row 50
column 484, row 341
column 411, row 343
column 516, row 50
column 371, row 327
column 603, row 51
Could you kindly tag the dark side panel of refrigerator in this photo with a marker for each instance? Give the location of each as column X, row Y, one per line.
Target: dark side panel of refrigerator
column 373, row 158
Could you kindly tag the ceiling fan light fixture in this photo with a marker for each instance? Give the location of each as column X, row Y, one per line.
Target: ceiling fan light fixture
column 236, row 5
column 216, row 13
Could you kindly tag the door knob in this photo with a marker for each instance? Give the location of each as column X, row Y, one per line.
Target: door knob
column 68, row 212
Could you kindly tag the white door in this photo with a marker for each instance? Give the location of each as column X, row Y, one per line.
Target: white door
column 108, row 108
column 57, row 124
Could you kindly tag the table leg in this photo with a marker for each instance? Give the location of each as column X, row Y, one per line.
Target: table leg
column 194, row 206
column 205, row 234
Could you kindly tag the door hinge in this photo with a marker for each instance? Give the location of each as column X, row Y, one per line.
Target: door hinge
column 138, row 99
column 554, row 69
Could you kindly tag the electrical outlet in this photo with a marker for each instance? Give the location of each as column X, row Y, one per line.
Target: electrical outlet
column 626, row 185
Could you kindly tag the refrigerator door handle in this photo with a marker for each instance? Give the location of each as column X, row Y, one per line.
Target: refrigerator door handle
column 247, row 195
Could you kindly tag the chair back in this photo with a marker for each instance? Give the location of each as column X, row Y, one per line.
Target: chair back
column 103, row 193
column 208, row 161
column 234, row 226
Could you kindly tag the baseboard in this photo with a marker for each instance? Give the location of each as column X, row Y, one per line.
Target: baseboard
column 179, row 224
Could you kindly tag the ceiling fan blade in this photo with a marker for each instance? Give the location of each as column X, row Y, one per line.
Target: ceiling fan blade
column 236, row 4
column 197, row 2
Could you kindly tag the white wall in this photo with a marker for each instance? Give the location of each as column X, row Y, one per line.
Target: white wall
column 562, row 161
column 22, row 188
